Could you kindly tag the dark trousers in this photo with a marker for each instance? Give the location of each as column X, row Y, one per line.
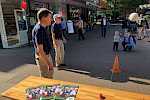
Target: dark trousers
column 129, row 48
column 80, row 34
column 65, row 34
column 103, row 31
column 124, row 46
column 115, row 46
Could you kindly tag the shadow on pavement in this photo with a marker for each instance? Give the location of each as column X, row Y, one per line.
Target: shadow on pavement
column 122, row 77
column 93, row 57
column 10, row 59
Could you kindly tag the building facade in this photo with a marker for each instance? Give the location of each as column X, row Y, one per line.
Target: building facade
column 16, row 24
column 8, row 27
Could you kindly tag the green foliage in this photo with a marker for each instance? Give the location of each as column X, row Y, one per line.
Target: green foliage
column 123, row 5
column 127, row 3
column 131, row 3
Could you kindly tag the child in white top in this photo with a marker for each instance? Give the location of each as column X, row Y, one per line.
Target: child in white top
column 116, row 41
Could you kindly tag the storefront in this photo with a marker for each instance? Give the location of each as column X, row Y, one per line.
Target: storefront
column 16, row 25
column 74, row 8
column 13, row 27
column 93, row 8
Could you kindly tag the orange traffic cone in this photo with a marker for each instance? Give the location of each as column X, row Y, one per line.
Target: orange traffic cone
column 117, row 73
column 116, row 66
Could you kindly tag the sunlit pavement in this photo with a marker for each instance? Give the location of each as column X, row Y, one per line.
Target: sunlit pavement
column 88, row 62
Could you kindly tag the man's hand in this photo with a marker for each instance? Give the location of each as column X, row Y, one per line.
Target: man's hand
column 57, row 43
column 64, row 40
column 44, row 57
column 55, row 46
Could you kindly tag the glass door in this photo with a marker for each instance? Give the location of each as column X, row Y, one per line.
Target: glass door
column 22, row 27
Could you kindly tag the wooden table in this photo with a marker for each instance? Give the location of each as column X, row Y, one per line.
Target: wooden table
column 86, row 92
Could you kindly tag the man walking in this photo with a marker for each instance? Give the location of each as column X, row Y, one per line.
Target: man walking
column 42, row 43
column 79, row 25
column 58, row 40
column 103, row 26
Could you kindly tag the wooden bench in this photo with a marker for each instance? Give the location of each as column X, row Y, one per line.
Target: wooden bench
column 86, row 92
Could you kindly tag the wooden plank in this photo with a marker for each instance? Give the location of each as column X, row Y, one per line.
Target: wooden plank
column 86, row 92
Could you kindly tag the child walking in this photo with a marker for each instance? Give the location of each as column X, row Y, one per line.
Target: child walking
column 116, row 41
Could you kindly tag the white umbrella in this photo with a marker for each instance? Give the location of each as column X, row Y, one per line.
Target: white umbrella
column 134, row 17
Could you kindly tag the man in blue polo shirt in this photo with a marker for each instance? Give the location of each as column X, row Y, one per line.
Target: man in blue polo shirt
column 42, row 43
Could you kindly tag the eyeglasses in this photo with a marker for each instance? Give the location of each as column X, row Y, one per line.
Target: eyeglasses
column 59, row 17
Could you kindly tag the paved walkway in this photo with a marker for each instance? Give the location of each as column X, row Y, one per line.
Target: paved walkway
column 90, row 61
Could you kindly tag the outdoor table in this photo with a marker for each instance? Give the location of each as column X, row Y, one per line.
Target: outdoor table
column 86, row 92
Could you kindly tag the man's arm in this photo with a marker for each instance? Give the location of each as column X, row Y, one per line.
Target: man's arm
column 82, row 24
column 44, row 57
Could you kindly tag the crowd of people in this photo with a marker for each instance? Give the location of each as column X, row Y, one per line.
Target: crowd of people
column 50, row 34
column 127, row 40
column 46, row 37
column 141, row 27
column 133, row 30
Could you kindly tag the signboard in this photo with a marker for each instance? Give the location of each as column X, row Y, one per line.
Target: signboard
column 70, row 26
column 22, row 27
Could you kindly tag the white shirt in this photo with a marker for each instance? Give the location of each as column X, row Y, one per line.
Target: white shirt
column 116, row 38
column 104, row 21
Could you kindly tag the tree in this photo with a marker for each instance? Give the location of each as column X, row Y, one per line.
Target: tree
column 129, row 6
column 125, row 6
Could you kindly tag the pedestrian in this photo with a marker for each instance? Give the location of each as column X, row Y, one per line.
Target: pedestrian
column 116, row 41
column 146, row 28
column 42, row 43
column 79, row 25
column 103, row 26
column 125, row 40
column 58, row 40
column 141, row 27
column 131, row 43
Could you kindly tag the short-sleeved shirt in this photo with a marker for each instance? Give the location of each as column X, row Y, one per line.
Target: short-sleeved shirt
column 63, row 25
column 57, row 30
column 40, row 35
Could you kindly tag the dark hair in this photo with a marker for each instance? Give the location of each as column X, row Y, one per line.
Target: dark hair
column 43, row 12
